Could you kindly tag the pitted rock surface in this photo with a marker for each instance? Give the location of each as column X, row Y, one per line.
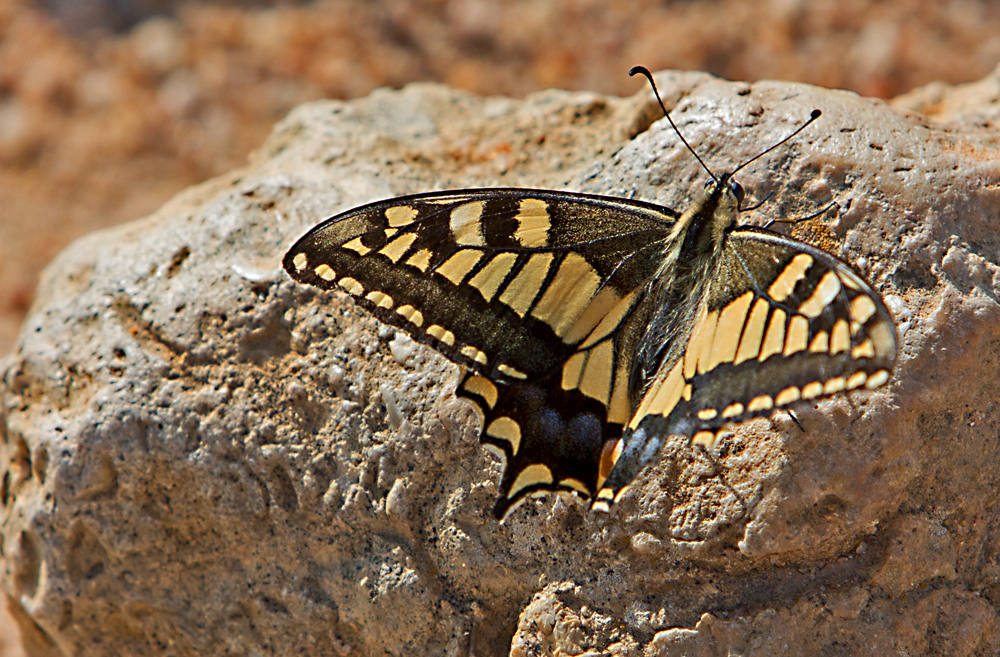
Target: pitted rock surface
column 203, row 457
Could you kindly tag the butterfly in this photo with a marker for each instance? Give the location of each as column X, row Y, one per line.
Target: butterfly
column 591, row 328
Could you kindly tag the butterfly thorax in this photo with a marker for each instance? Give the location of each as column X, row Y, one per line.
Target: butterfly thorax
column 678, row 291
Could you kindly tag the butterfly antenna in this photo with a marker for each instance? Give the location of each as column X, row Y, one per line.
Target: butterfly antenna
column 642, row 70
column 812, row 117
column 796, row 421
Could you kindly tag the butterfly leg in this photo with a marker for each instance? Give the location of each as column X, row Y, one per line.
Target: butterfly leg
column 795, row 420
column 808, row 217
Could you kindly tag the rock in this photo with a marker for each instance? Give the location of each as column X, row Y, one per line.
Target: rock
column 205, row 457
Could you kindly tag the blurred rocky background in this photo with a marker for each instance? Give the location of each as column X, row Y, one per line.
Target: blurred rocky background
column 109, row 107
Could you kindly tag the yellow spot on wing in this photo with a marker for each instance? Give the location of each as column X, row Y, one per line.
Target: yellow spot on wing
column 855, row 380
column 707, row 414
column 753, row 332
column 324, row 272
column 609, row 456
column 883, row 335
column 300, row 261
column 840, row 339
column 774, row 341
column 798, row 335
column 834, row 385
column 662, row 396
column 825, row 292
column 596, row 381
column 474, row 354
column 521, row 291
column 733, row 410
column 380, row 299
column 604, row 496
column 352, row 285
column 573, row 370
column 596, row 310
column 877, row 379
column 576, row 485
column 532, row 223
column 862, row 309
column 760, row 403
column 458, row 266
column 512, row 372
column 611, row 321
column 411, row 314
column 695, row 342
column 490, row 277
column 787, row 396
column 701, row 342
column 619, row 408
column 442, row 334
column 400, row 215
column 397, row 248
column 506, row 429
column 465, row 223
column 421, row 260
column 356, row 246
column 811, row 390
column 568, row 294
column 727, row 332
column 784, row 284
column 482, row 387
column 864, row 350
column 820, row 344
column 533, row 475
column 705, row 439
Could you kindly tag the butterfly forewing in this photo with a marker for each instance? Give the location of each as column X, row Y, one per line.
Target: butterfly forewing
column 499, row 280
column 535, row 291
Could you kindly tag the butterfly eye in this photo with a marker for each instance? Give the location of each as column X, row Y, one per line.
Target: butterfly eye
column 738, row 192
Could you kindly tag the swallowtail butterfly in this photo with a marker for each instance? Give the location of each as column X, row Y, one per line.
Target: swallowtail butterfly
column 590, row 328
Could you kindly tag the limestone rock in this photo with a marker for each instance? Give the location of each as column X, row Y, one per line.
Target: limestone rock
column 204, row 457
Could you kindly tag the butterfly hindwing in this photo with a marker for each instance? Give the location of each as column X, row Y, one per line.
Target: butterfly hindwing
column 547, row 438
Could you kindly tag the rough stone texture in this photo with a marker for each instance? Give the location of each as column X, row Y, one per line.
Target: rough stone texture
column 206, row 458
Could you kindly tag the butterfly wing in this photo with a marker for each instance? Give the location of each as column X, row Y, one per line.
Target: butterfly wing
column 781, row 322
column 534, row 291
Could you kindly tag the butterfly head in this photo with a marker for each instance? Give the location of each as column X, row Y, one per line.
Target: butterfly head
column 729, row 193
column 703, row 227
column 725, row 198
